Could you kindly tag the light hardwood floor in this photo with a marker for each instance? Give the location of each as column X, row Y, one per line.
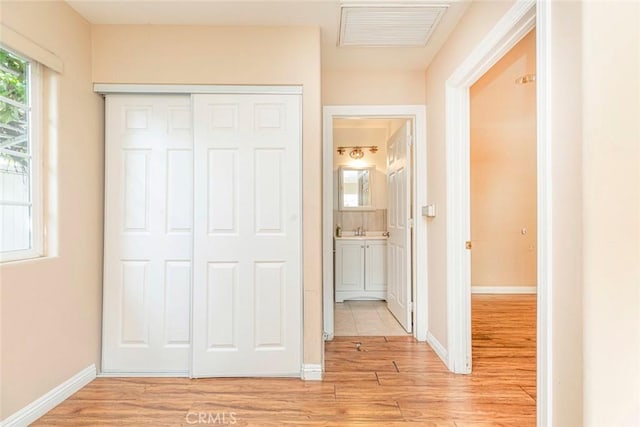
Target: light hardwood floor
column 370, row 381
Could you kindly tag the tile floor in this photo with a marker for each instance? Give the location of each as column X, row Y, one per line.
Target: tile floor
column 365, row 318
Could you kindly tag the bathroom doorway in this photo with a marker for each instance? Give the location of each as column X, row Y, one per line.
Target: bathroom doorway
column 371, row 291
column 370, row 203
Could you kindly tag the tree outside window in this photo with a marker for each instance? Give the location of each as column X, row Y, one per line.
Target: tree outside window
column 16, row 156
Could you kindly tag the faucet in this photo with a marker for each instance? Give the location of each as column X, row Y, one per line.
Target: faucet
column 360, row 231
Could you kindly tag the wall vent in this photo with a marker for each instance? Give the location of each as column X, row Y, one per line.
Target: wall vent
column 388, row 25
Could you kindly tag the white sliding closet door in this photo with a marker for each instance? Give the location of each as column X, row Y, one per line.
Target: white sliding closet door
column 247, row 312
column 148, row 234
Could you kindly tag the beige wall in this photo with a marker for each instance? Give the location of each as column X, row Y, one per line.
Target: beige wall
column 236, row 55
column 566, row 213
column 51, row 307
column 503, row 171
column 364, row 87
column 611, row 114
column 476, row 22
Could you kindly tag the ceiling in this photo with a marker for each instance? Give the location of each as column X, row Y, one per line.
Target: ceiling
column 323, row 13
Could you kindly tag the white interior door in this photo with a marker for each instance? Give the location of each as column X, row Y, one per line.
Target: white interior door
column 148, row 234
column 399, row 242
column 247, row 312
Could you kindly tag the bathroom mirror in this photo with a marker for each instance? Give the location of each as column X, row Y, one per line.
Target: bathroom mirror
column 355, row 188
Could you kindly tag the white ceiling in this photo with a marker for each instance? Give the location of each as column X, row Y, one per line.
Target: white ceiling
column 323, row 13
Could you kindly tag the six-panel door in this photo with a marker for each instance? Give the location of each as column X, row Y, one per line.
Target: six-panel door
column 148, row 234
column 398, row 226
column 247, row 235
column 202, row 264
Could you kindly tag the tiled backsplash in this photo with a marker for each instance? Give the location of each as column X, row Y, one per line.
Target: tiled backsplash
column 368, row 220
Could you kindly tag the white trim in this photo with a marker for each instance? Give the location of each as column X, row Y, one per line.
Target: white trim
column 36, row 176
column 420, row 249
column 418, row 114
column 170, row 374
column 503, row 290
column 458, row 232
column 27, row 47
column 514, row 25
column 51, row 399
column 507, row 32
column 544, row 112
column 327, row 224
column 36, row 128
column 311, row 372
column 154, row 89
column 438, row 348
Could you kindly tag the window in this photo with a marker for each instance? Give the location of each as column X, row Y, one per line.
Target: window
column 21, row 226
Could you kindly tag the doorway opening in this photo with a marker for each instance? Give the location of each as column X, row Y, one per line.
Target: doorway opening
column 503, row 215
column 512, row 27
column 372, row 197
column 372, row 191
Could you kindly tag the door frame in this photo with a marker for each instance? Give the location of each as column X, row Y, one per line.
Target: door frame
column 417, row 113
column 509, row 30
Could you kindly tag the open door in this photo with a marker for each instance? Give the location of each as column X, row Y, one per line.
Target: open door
column 399, row 226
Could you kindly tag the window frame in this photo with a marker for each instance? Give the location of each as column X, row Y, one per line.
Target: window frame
column 34, row 89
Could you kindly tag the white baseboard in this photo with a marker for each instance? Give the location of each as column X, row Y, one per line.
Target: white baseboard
column 177, row 374
column 437, row 346
column 503, row 290
column 51, row 399
column 311, row 372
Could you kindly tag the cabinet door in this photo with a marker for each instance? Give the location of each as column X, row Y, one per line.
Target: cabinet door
column 349, row 265
column 376, row 265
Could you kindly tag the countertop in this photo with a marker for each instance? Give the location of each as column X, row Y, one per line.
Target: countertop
column 371, row 235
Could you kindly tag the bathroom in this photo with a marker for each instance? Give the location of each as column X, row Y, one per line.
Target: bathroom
column 360, row 219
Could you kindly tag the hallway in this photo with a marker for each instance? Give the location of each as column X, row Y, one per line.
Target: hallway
column 382, row 381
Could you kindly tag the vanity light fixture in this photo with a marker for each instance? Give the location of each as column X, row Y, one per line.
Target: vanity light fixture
column 356, row 153
column 356, row 150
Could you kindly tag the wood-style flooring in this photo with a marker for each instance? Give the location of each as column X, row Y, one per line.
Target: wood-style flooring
column 369, row 381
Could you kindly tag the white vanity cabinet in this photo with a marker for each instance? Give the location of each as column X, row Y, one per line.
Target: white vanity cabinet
column 360, row 268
